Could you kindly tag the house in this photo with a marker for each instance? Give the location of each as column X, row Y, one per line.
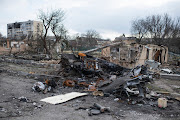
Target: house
column 11, row 46
column 130, row 54
column 122, row 38
column 83, row 43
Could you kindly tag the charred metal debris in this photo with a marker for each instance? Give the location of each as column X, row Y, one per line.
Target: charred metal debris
column 107, row 78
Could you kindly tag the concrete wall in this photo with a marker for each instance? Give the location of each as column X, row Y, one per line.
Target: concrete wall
column 4, row 50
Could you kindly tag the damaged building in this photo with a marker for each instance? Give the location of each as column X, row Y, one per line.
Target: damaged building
column 130, row 54
column 18, row 30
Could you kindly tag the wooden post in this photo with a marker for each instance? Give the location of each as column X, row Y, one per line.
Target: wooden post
column 8, row 43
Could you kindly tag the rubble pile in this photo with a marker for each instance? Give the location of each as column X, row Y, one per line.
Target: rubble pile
column 103, row 77
column 105, row 81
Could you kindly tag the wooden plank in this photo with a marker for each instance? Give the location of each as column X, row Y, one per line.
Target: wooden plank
column 102, row 47
column 63, row 98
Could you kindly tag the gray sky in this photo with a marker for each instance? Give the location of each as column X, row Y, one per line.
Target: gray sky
column 111, row 18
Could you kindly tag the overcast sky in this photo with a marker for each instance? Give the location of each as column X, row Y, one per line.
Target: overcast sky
column 111, row 18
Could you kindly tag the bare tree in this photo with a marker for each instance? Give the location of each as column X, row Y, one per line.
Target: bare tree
column 60, row 34
column 50, row 19
column 34, row 43
column 1, row 35
column 91, row 36
column 157, row 27
column 139, row 28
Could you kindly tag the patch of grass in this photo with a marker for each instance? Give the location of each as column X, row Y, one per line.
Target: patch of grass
column 156, row 88
column 177, row 90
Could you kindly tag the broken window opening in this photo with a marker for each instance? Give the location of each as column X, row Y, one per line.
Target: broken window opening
column 117, row 49
column 157, row 56
column 147, row 54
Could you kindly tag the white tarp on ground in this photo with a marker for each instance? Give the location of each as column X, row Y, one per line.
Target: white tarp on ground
column 62, row 98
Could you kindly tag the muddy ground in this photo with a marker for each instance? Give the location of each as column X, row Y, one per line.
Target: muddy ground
column 11, row 108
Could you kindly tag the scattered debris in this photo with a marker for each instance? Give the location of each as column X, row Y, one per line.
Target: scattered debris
column 92, row 87
column 51, row 83
column 162, row 102
column 89, row 66
column 167, row 71
column 152, row 64
column 3, row 109
column 116, row 99
column 94, row 112
column 69, row 83
column 23, row 99
column 161, row 92
column 113, row 77
column 97, row 109
column 34, row 103
column 102, row 108
column 38, row 86
column 154, row 94
column 63, row 98
column 177, row 98
column 98, row 93
column 44, row 87
column 136, row 71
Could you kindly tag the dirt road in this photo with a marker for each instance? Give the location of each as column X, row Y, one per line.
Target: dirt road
column 11, row 108
column 12, row 87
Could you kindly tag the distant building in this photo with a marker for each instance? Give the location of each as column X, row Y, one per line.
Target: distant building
column 22, row 30
column 13, row 46
column 122, row 38
column 83, row 43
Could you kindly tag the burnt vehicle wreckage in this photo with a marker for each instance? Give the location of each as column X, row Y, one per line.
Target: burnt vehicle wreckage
column 107, row 77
